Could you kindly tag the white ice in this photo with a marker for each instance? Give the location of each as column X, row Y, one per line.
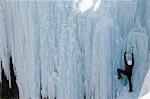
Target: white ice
column 60, row 53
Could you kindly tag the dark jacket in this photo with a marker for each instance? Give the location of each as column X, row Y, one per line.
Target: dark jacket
column 128, row 68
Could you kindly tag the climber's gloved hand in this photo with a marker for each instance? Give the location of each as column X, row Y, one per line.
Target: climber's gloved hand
column 125, row 52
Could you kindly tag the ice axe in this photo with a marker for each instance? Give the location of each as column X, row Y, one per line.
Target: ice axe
column 132, row 49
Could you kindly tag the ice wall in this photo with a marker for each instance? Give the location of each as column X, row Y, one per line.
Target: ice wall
column 4, row 51
column 20, row 41
column 145, row 87
column 97, row 53
column 43, row 42
column 131, row 33
column 61, row 53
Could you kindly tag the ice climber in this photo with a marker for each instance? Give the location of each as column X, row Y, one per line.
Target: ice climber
column 128, row 70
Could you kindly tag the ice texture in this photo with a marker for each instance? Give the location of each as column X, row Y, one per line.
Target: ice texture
column 60, row 52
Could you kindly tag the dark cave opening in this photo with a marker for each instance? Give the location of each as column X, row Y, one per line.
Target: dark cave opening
column 7, row 92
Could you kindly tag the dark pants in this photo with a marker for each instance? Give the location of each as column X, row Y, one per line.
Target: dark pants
column 128, row 76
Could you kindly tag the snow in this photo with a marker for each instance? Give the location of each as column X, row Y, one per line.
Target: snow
column 60, row 53
column 147, row 96
column 145, row 90
column 145, row 87
column 85, row 5
column 97, row 4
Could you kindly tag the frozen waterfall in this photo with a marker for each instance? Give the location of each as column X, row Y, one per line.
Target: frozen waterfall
column 62, row 52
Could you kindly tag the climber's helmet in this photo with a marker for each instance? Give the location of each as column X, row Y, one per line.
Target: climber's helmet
column 129, row 62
